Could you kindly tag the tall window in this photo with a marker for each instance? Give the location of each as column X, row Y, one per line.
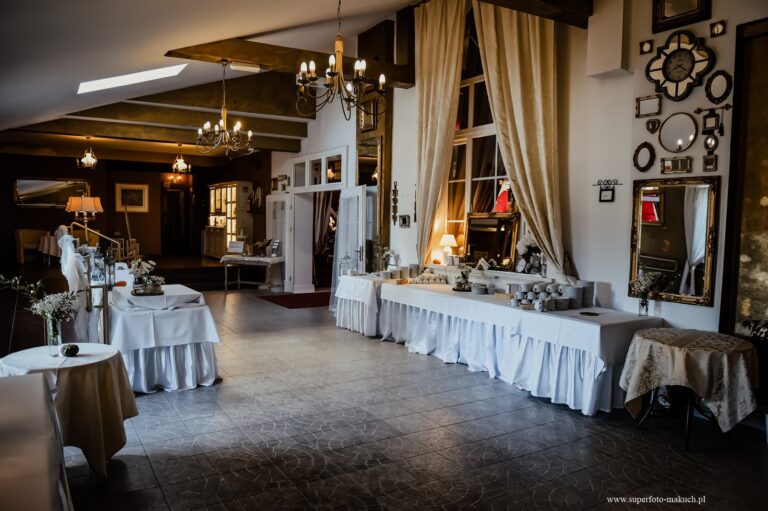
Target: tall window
column 477, row 175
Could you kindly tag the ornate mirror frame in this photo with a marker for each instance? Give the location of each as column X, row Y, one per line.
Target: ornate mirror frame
column 707, row 296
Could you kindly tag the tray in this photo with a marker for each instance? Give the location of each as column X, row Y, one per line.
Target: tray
column 145, row 293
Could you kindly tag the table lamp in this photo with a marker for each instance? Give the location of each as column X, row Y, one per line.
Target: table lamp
column 82, row 207
column 448, row 241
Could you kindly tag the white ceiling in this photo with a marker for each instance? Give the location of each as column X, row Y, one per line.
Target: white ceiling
column 48, row 47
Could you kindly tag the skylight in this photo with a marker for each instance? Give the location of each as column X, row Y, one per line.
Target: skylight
column 130, row 79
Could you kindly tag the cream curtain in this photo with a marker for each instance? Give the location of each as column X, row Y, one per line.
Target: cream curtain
column 518, row 55
column 439, row 36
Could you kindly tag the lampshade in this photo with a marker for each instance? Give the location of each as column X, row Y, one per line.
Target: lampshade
column 448, row 240
column 84, row 205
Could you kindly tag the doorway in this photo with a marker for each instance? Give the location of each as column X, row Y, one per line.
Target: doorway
column 325, row 207
column 175, row 222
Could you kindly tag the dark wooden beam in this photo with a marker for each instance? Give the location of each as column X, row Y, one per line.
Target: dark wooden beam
column 148, row 133
column 377, row 44
column 263, row 93
column 282, row 58
column 160, row 115
column 405, row 37
column 570, row 12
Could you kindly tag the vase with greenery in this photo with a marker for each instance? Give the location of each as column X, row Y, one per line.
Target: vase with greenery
column 54, row 309
column 141, row 270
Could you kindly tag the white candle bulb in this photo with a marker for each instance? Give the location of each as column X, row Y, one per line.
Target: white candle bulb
column 332, row 61
column 349, row 87
column 363, row 65
column 237, row 126
column 207, row 125
column 250, row 134
column 303, row 68
column 312, row 67
column 199, row 132
column 357, row 66
column 382, row 81
column 221, row 123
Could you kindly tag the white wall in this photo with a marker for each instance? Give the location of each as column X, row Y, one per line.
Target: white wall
column 404, row 162
column 598, row 136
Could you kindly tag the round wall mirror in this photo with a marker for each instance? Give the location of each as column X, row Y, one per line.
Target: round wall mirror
column 710, row 143
column 718, row 86
column 678, row 132
column 645, row 156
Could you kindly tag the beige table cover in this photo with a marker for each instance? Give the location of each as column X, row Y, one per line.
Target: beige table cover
column 91, row 393
column 720, row 369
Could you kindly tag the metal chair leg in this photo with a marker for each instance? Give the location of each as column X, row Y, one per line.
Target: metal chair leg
column 688, row 415
column 649, row 408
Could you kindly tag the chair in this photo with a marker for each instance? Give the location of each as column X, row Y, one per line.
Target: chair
column 27, row 239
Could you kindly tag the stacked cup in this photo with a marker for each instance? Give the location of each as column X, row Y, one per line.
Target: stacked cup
column 588, row 298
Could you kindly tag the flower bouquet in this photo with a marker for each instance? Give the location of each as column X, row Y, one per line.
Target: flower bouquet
column 643, row 286
column 54, row 309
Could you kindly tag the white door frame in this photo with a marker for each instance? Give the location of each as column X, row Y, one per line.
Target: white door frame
column 285, row 237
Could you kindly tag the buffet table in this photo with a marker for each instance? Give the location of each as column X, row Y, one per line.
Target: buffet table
column 31, row 447
column 573, row 357
column 357, row 303
column 167, row 341
column 91, row 395
column 241, row 260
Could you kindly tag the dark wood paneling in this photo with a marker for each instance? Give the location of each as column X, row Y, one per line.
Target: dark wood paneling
column 377, row 44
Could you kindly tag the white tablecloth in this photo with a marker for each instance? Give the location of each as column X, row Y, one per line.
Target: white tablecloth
column 49, row 246
column 565, row 356
column 32, row 475
column 168, row 348
column 174, row 296
column 91, row 393
column 357, row 303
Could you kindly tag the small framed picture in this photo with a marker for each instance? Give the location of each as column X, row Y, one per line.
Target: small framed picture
column 607, row 194
column 710, row 163
column 711, row 122
column 367, row 112
column 133, row 198
column 646, row 47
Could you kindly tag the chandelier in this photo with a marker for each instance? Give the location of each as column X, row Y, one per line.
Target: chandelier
column 313, row 95
column 221, row 136
column 89, row 160
column 179, row 165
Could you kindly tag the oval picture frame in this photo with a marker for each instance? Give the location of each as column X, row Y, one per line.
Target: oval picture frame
column 651, row 157
column 728, row 86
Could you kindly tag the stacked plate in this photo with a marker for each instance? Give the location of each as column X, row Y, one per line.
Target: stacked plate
column 574, row 294
column 562, row 303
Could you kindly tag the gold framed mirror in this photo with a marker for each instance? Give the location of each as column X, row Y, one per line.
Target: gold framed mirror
column 492, row 236
column 674, row 234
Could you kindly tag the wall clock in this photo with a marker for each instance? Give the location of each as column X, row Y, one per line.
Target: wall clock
column 679, row 65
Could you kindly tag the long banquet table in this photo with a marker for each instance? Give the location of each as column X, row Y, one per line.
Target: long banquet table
column 357, row 303
column 569, row 357
column 167, row 341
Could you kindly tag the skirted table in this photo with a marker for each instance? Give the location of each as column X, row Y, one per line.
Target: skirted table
column 167, row 341
column 720, row 369
column 357, row 303
column 572, row 357
column 91, row 394
column 268, row 262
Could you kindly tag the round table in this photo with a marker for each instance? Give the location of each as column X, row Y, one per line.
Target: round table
column 91, row 394
column 720, row 369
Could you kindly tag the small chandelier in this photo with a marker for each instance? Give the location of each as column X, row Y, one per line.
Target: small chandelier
column 220, row 136
column 179, row 165
column 313, row 96
column 89, row 160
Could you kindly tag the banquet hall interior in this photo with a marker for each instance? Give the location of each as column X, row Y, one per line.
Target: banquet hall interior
column 384, row 255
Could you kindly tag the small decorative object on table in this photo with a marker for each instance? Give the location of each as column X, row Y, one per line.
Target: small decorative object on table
column 644, row 286
column 155, row 284
column 54, row 309
column 141, row 269
column 69, row 350
column 462, row 283
column 383, row 255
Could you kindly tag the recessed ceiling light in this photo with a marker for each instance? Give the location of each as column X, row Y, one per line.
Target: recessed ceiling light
column 242, row 66
column 130, row 79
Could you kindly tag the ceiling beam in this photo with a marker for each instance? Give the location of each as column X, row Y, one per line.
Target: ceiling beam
column 288, row 60
column 149, row 133
column 160, row 115
column 570, row 12
column 263, row 93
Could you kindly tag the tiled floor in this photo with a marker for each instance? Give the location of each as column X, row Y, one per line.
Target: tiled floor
column 310, row 416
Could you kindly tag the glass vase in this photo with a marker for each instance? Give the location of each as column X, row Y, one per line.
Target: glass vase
column 139, row 283
column 643, row 307
column 53, row 336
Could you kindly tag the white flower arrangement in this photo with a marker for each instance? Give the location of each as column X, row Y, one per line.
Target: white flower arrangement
column 56, row 307
column 526, row 242
column 141, row 268
column 156, row 280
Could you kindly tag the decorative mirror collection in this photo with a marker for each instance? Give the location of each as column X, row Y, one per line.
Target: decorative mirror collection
column 680, row 65
column 669, row 14
column 678, row 132
column 719, row 86
column 645, row 157
column 674, row 233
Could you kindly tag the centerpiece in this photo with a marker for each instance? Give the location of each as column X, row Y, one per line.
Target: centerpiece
column 54, row 309
column 144, row 283
column 462, row 283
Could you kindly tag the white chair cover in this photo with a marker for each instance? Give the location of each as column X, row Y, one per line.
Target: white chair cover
column 67, row 245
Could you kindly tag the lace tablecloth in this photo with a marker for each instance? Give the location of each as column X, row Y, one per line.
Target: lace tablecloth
column 720, row 369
